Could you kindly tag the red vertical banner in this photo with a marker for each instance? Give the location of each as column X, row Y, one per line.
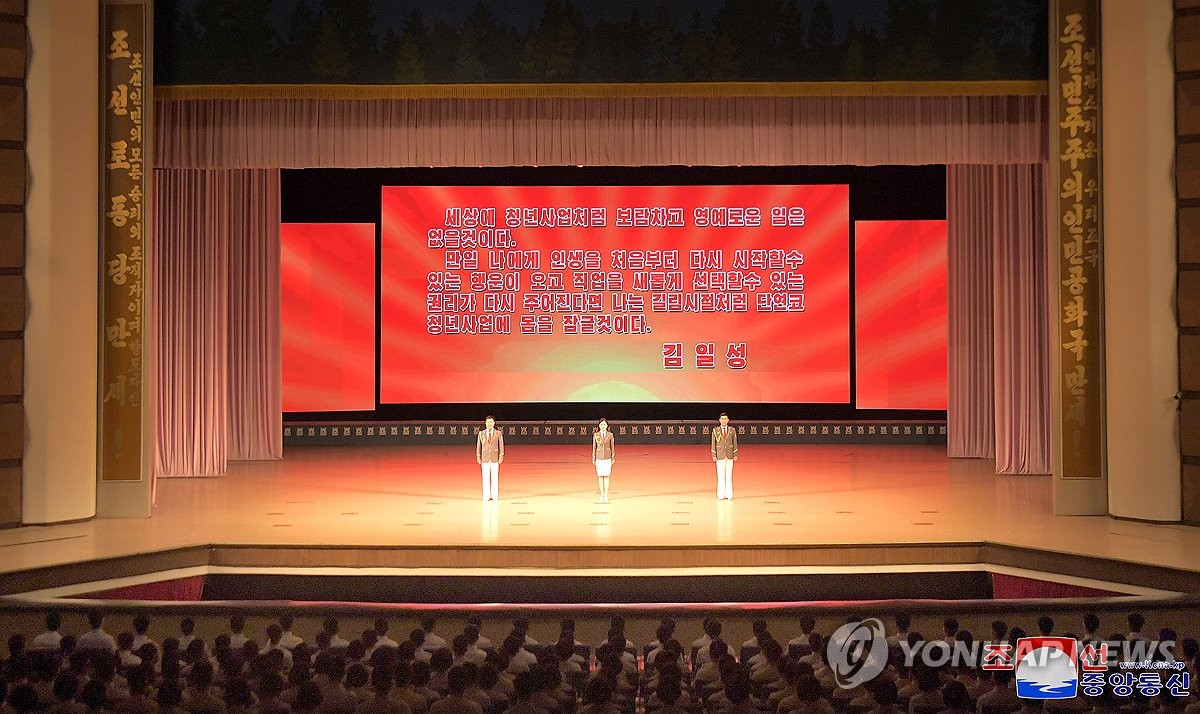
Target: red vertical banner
column 124, row 162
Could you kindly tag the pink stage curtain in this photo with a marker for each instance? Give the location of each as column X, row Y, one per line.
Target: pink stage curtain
column 1022, row 351
column 970, row 409
column 217, row 313
column 216, row 320
column 999, row 390
column 255, row 389
column 726, row 131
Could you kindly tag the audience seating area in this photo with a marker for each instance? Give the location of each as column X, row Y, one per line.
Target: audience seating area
column 487, row 664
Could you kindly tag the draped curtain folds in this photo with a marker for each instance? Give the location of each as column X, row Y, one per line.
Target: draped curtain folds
column 255, row 391
column 216, row 320
column 1022, row 328
column 999, row 334
column 970, row 410
column 722, row 131
column 191, row 322
column 216, row 207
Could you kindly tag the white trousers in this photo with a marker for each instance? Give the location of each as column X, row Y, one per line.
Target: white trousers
column 724, row 478
column 491, row 481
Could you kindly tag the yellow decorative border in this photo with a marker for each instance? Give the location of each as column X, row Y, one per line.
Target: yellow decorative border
column 603, row 91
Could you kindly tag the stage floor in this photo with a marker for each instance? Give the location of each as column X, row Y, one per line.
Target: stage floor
column 661, row 496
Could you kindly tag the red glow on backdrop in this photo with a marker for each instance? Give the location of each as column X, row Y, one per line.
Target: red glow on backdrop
column 454, row 330
column 327, row 278
column 900, row 314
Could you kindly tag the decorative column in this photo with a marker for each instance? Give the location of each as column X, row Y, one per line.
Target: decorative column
column 124, row 444
column 1077, row 258
column 1139, row 267
column 61, row 273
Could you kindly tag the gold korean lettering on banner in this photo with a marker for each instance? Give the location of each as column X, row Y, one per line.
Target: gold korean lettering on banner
column 1076, row 238
column 123, row 225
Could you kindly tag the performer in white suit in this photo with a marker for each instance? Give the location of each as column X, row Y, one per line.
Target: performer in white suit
column 489, row 454
column 724, row 453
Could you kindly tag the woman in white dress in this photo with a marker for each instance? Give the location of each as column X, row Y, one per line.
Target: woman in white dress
column 603, row 452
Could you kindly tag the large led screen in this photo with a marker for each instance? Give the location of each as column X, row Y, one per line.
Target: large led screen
column 615, row 294
column 656, row 292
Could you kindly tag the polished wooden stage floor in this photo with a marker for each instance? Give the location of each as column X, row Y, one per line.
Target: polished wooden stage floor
column 661, row 496
column 362, row 506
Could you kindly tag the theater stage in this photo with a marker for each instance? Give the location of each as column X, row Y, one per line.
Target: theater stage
column 794, row 505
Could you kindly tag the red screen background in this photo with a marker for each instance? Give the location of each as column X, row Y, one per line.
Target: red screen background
column 328, row 277
column 327, row 281
column 791, row 357
column 900, row 314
